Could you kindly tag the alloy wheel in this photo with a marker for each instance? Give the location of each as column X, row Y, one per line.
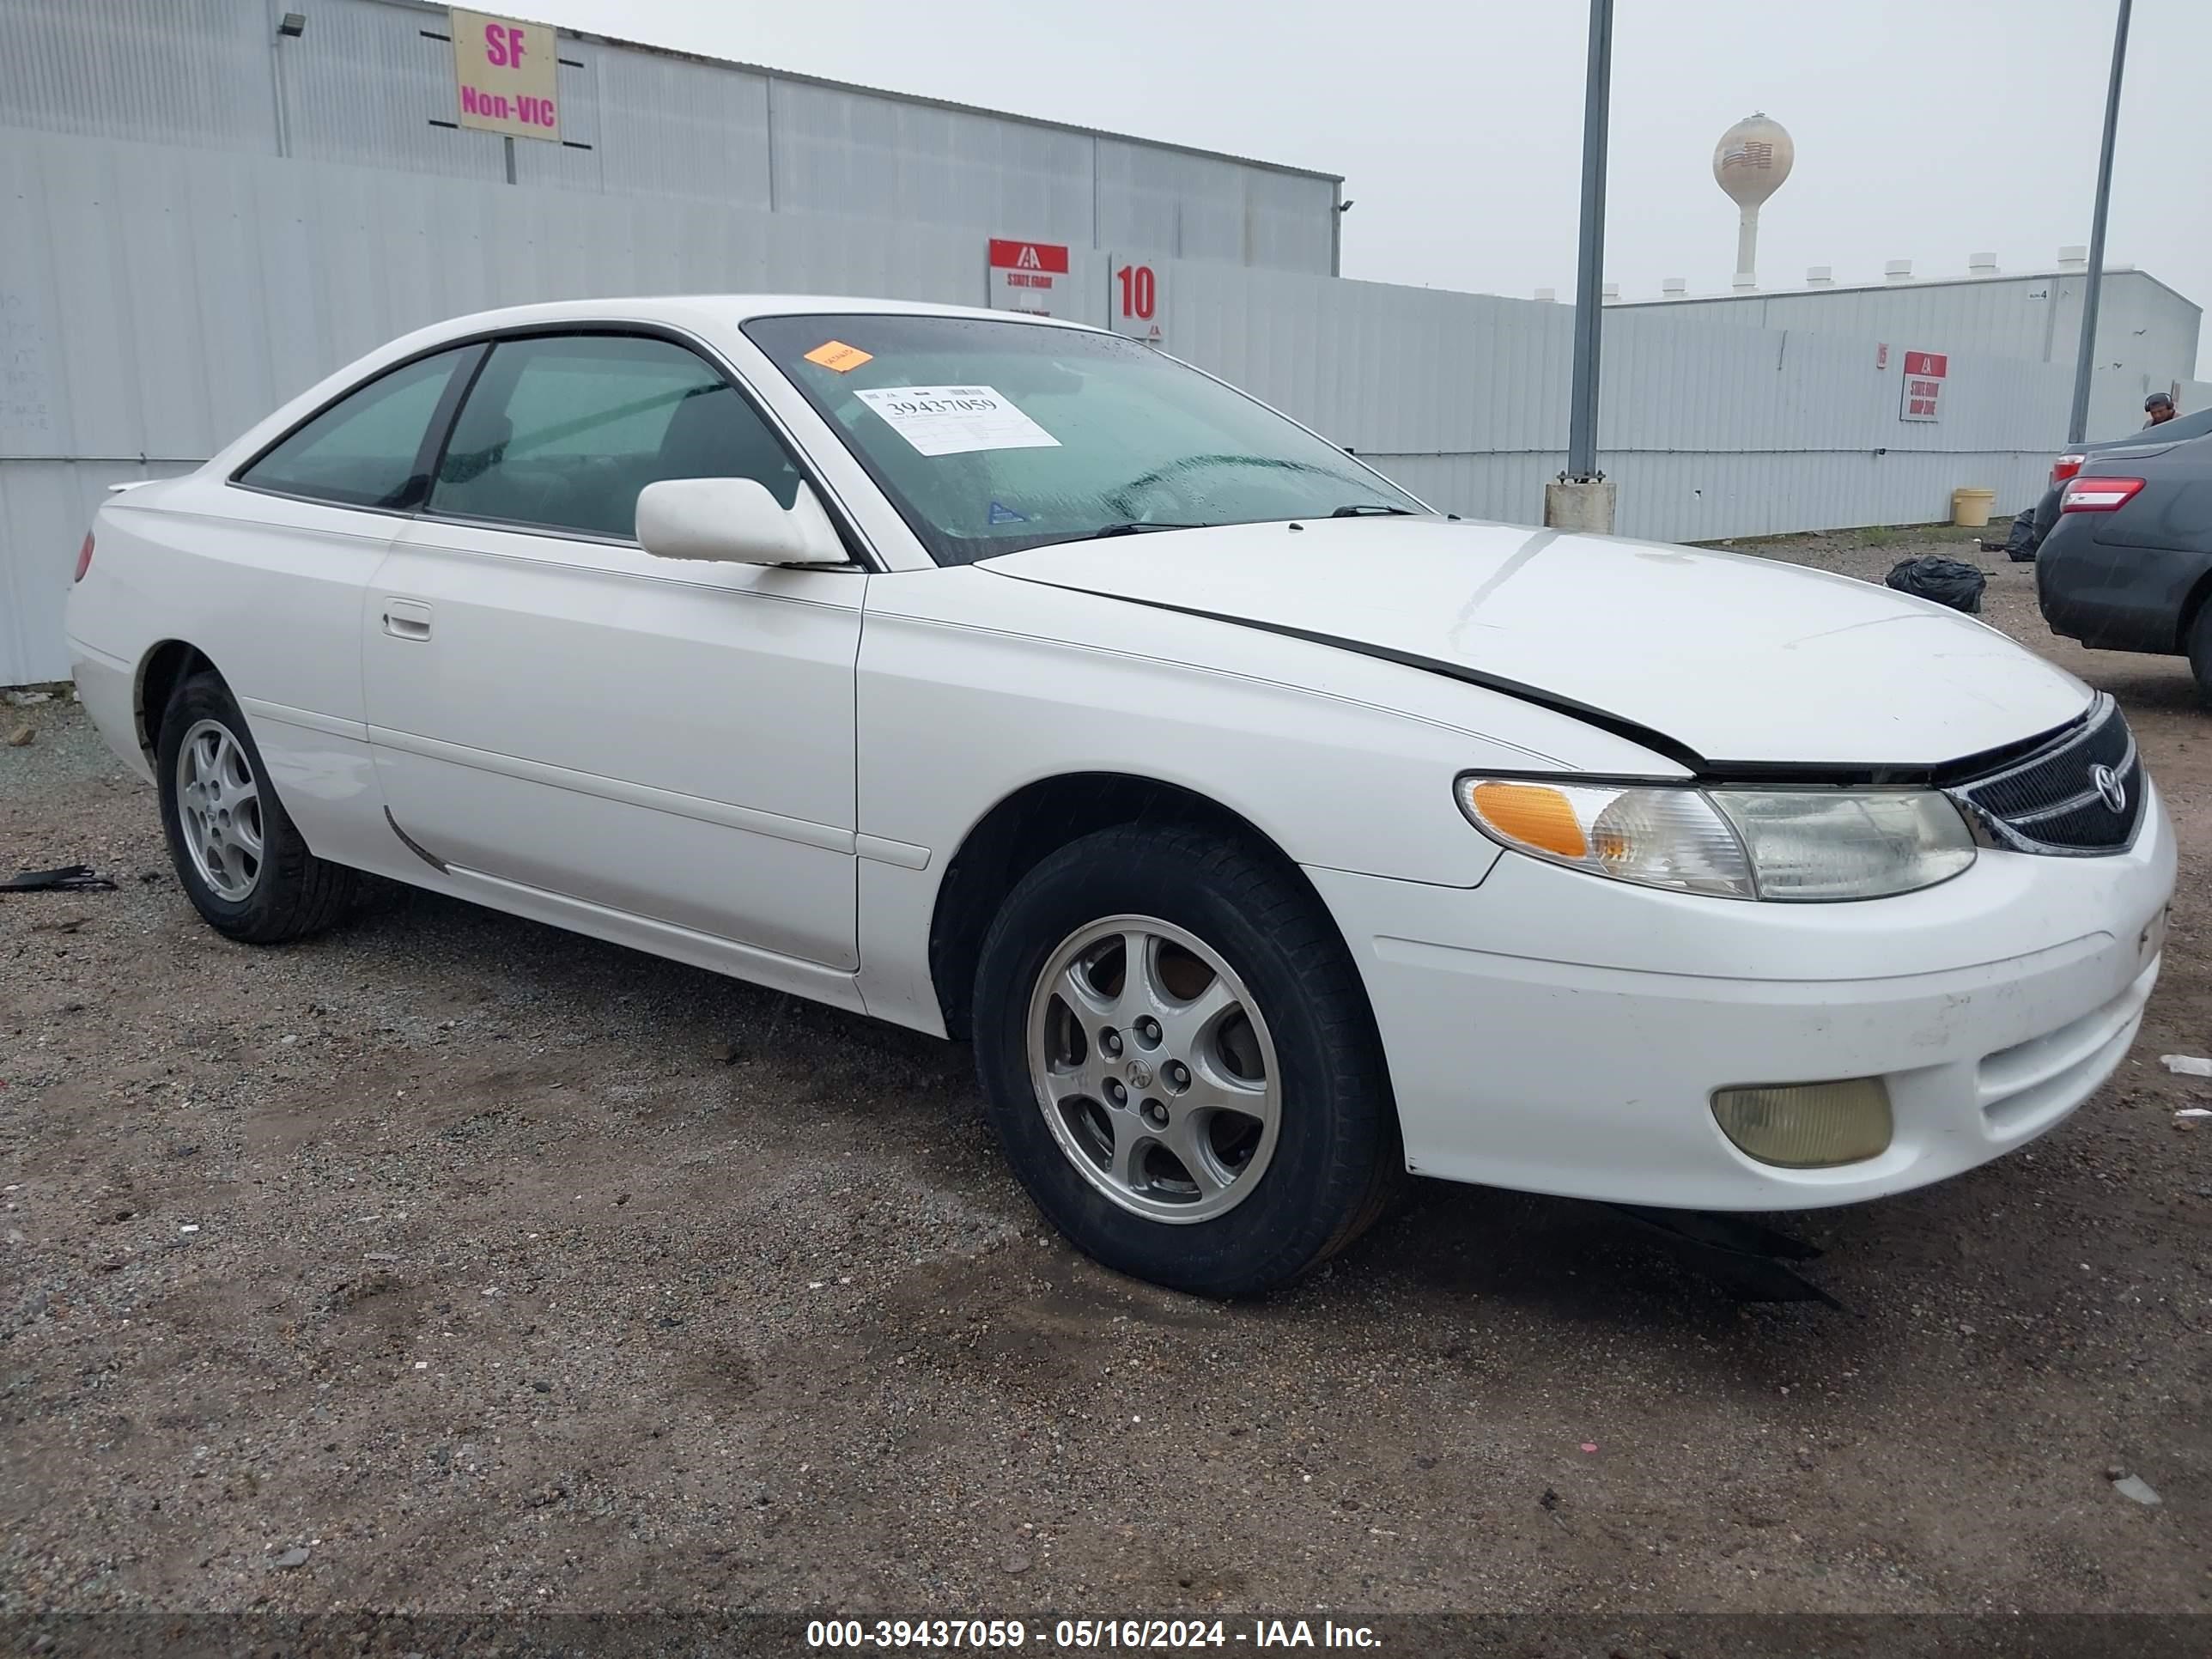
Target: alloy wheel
column 219, row 810
column 1154, row 1068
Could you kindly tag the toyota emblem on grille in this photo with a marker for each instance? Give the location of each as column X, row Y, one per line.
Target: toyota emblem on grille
column 2108, row 785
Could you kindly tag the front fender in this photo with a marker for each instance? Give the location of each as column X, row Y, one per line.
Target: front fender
column 972, row 687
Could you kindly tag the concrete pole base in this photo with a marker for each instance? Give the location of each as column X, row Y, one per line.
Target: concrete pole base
column 1587, row 508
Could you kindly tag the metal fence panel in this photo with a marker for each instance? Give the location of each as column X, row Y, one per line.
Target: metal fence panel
column 172, row 71
column 370, row 82
column 675, row 126
column 2143, row 327
column 840, row 151
column 373, row 86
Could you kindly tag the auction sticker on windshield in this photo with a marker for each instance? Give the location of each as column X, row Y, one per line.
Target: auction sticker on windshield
column 955, row 420
column 837, row 355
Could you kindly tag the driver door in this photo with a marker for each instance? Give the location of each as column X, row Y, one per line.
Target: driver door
column 552, row 709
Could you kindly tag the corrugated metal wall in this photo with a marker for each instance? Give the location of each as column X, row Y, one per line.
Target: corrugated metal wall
column 370, row 83
column 159, row 299
column 2147, row 334
column 1710, row 431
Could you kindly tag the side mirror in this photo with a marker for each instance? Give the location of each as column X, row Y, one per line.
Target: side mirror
column 733, row 521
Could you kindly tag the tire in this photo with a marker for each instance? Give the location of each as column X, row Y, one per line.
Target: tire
column 281, row 891
column 2200, row 652
column 1289, row 1042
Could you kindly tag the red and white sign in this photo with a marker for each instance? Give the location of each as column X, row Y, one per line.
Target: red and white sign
column 1923, row 396
column 1136, row 297
column 1030, row 276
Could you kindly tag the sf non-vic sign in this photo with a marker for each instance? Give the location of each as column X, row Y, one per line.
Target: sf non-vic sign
column 507, row 74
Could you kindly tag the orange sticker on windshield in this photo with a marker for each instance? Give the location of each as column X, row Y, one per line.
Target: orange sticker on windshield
column 837, row 355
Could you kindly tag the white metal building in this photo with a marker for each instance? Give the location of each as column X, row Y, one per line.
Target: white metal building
column 2147, row 333
column 372, row 83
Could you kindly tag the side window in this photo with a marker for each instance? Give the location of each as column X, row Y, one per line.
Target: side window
column 360, row 451
column 564, row 431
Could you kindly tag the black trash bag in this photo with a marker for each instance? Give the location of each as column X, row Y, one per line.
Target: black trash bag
column 2022, row 541
column 1944, row 581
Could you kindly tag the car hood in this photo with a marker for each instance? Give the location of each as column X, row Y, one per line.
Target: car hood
column 1719, row 657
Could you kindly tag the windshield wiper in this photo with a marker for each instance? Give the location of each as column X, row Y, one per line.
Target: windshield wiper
column 1372, row 510
column 1135, row 527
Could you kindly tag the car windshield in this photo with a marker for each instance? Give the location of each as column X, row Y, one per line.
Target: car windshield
column 990, row 437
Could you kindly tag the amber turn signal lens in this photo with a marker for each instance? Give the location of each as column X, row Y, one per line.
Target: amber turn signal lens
column 1532, row 814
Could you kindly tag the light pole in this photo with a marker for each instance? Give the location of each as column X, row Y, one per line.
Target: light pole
column 2077, row 425
column 1583, row 498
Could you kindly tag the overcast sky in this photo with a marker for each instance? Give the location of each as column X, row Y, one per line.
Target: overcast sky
column 1926, row 129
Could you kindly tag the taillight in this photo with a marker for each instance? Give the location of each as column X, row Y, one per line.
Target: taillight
column 83, row 558
column 2098, row 494
column 2064, row 468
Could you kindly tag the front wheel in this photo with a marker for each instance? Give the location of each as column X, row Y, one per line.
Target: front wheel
column 1180, row 1063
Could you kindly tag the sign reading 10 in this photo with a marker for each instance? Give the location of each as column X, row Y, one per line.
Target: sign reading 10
column 1140, row 292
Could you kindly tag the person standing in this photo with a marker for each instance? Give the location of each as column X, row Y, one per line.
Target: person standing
column 2159, row 409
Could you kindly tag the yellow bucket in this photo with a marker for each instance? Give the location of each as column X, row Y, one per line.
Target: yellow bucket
column 1970, row 507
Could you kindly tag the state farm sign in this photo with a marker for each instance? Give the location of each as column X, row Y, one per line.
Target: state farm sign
column 1923, row 396
column 1030, row 277
column 507, row 74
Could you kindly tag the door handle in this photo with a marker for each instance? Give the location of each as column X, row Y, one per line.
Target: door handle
column 407, row 619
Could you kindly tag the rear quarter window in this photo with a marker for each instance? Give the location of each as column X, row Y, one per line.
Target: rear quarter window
column 366, row 449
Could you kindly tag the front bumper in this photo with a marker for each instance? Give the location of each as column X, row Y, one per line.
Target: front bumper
column 1552, row 1031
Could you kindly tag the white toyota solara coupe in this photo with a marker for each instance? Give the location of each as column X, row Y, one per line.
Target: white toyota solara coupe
column 1268, row 832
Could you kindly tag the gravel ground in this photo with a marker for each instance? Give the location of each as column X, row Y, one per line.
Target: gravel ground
column 453, row 1262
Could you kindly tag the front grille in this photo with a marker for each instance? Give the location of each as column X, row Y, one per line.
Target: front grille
column 2051, row 801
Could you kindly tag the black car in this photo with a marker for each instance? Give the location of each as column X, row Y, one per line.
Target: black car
column 2196, row 425
column 2127, row 566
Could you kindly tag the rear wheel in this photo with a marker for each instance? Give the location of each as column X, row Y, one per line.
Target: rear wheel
column 1180, row 1063
column 240, row 861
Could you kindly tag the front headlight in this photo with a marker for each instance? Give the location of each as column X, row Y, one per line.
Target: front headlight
column 1798, row 845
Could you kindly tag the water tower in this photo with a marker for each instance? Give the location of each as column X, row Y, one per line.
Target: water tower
column 1750, row 162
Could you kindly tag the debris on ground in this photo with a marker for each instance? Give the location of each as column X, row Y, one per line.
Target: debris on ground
column 22, row 736
column 1947, row 581
column 2187, row 1064
column 294, row 1557
column 2021, row 541
column 68, row 878
column 2135, row 1487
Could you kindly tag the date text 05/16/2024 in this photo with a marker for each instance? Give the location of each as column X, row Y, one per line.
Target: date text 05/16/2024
column 1083, row 1635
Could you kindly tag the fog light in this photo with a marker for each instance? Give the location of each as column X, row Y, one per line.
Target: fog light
column 1806, row 1126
